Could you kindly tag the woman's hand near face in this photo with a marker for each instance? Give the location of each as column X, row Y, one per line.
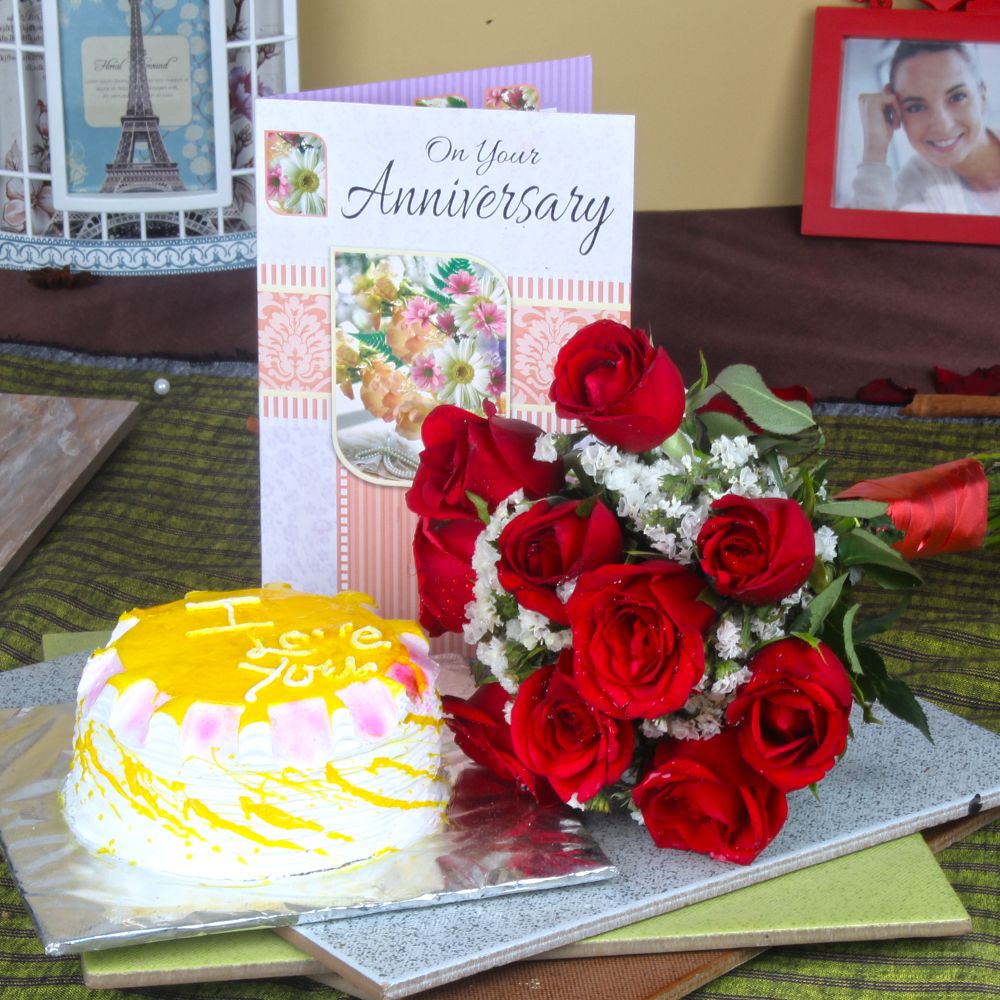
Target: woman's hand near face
column 880, row 117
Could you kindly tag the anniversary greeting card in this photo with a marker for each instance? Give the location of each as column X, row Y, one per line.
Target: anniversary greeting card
column 437, row 251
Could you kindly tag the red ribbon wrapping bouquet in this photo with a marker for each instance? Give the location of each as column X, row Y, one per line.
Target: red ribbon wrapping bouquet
column 662, row 604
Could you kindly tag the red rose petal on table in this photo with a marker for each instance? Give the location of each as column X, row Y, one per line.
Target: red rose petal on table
column 981, row 382
column 886, row 391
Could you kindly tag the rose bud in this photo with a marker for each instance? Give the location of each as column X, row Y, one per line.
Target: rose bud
column 551, row 543
column 625, row 391
column 756, row 551
column 939, row 510
column 638, row 637
column 557, row 734
column 491, row 457
column 442, row 552
column 483, row 734
column 793, row 713
column 700, row 795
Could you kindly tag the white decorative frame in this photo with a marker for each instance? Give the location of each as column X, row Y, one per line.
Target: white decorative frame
column 260, row 37
column 63, row 197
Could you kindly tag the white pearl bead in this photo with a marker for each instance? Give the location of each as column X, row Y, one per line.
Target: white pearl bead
column 161, row 387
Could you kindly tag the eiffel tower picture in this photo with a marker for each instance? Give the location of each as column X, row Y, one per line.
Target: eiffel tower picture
column 140, row 129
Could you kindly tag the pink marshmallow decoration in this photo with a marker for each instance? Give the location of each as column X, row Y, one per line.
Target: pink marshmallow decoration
column 403, row 674
column 301, row 735
column 210, row 730
column 132, row 711
column 373, row 707
column 418, row 649
column 99, row 668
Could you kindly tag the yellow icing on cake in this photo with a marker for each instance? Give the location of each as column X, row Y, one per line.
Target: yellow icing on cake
column 261, row 647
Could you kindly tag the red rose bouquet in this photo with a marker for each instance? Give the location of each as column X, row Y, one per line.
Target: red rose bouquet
column 663, row 603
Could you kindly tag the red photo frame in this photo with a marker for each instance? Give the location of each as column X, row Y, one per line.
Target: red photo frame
column 920, row 197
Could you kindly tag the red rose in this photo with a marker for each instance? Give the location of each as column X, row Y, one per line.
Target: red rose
column 560, row 736
column 941, row 509
column 483, row 734
column 638, row 637
column 442, row 551
column 700, row 795
column 793, row 713
column 550, row 543
column 491, row 457
column 757, row 551
column 721, row 403
column 626, row 392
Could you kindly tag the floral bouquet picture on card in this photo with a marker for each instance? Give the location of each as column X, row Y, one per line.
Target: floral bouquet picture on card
column 523, row 97
column 412, row 332
column 665, row 598
column 295, row 173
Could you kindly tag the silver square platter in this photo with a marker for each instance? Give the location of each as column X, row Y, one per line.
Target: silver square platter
column 82, row 901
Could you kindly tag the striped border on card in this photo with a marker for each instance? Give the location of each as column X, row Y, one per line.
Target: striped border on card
column 283, row 404
column 284, row 276
column 549, row 291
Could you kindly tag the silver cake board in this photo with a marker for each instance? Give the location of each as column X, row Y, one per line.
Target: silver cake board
column 890, row 783
column 491, row 843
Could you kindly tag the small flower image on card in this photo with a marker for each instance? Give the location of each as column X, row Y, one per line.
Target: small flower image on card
column 295, row 173
column 412, row 331
column 523, row 97
column 442, row 101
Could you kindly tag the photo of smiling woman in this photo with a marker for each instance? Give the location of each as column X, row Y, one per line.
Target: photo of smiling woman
column 915, row 130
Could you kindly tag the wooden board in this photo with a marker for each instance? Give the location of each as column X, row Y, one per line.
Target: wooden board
column 50, row 447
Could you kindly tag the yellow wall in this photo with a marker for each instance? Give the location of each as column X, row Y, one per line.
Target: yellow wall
column 719, row 88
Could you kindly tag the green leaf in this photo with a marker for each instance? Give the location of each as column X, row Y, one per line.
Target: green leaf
column 698, row 395
column 439, row 297
column 804, row 443
column 746, row 633
column 481, row 673
column 723, row 425
column 376, row 341
column 848, row 635
column 744, row 385
column 808, row 498
column 809, row 640
column 872, row 626
column 881, row 562
column 696, row 389
column 852, row 508
column 775, row 466
column 811, row 619
column 710, row 597
column 482, row 509
column 894, row 694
